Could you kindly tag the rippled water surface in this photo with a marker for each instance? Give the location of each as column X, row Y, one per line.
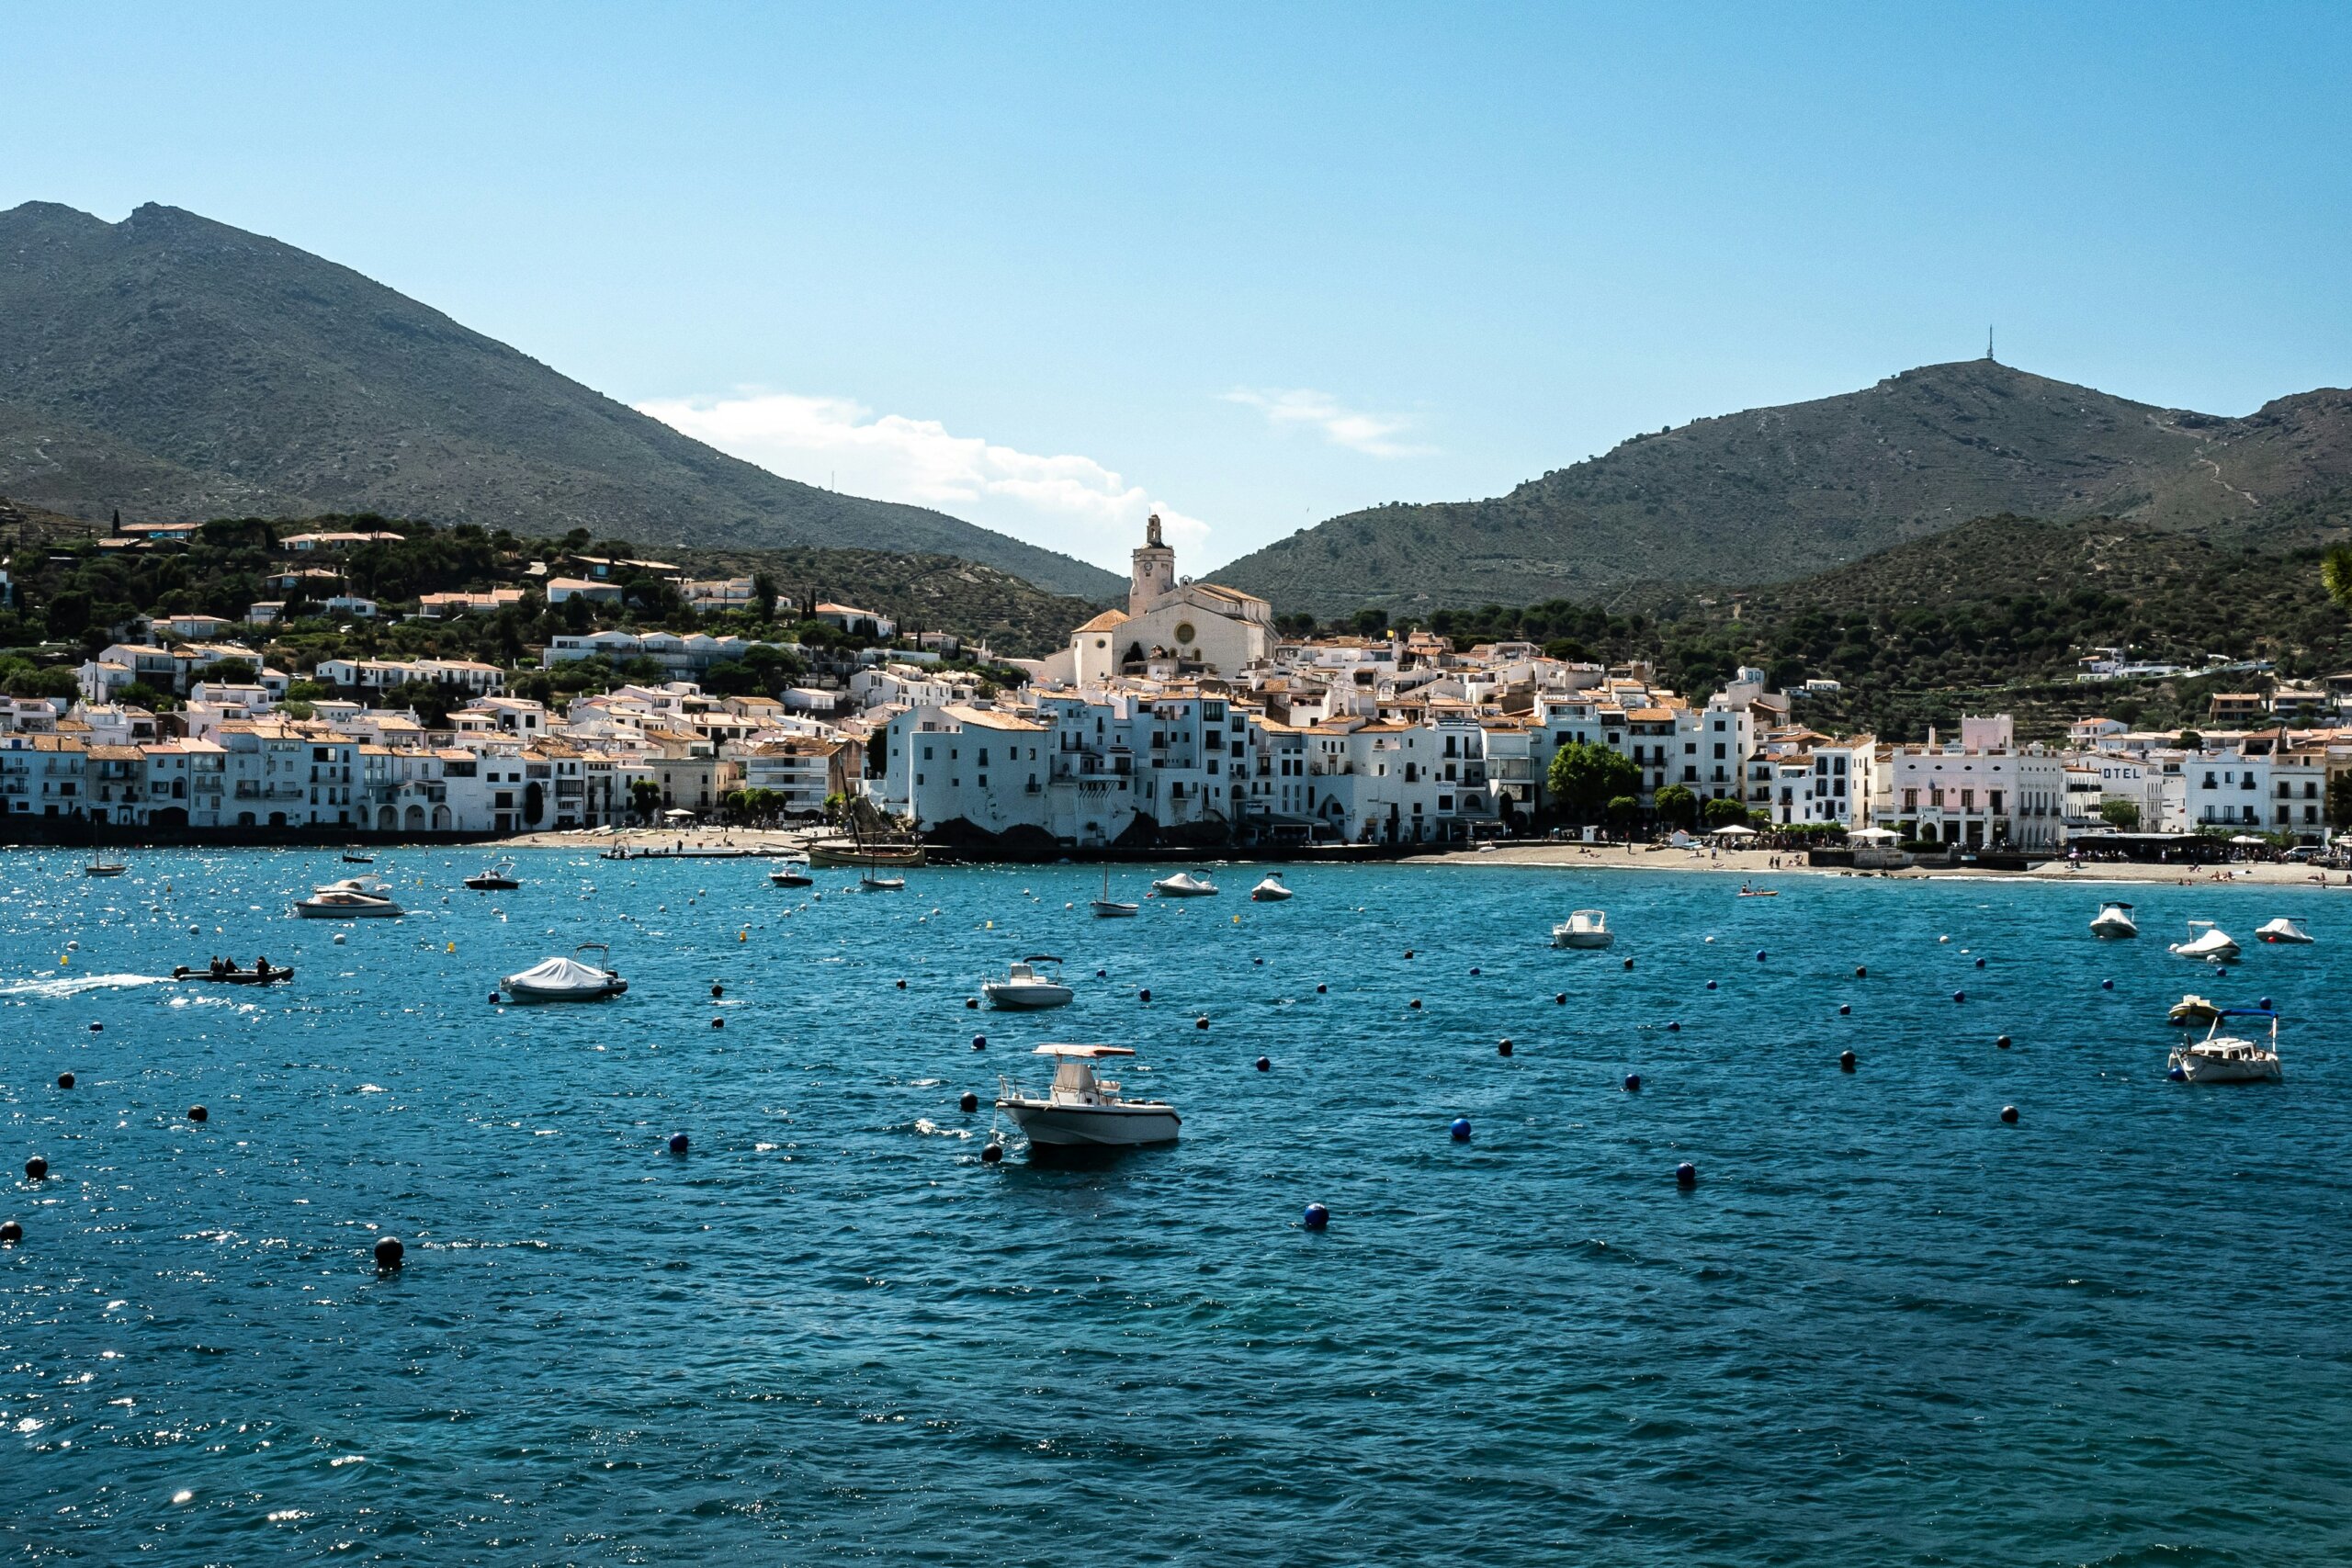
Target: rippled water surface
column 1883, row 1327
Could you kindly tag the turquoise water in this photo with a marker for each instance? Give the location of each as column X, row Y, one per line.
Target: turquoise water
column 1883, row 1327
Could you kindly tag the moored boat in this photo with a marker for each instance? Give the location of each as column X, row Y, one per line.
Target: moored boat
column 2227, row 1058
column 353, row 899
column 2283, row 929
column 99, row 866
column 1080, row 1110
column 1025, row 990
column 2192, row 1008
column 873, row 884
column 1270, row 890
column 1184, row 885
column 2210, row 944
column 1585, row 927
column 568, row 979
column 498, row 879
column 1109, row 908
column 792, row 873
column 853, row 854
column 2114, row 921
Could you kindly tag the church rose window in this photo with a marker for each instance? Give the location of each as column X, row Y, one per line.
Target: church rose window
column 1184, row 631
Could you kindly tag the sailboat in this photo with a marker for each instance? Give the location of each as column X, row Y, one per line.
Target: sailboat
column 99, row 866
column 1109, row 908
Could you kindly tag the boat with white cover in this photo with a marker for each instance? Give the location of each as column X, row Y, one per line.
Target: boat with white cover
column 568, row 979
column 1023, row 989
column 1080, row 1110
column 1184, row 885
column 2227, row 1058
column 1585, row 927
column 2114, row 921
column 1270, row 890
column 2283, row 929
column 353, row 899
column 2210, row 944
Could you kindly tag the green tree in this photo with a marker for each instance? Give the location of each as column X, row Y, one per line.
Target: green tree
column 2120, row 814
column 140, row 695
column 1622, row 810
column 765, row 595
column 1584, row 776
column 1724, row 813
column 644, row 797
column 2339, row 800
column 2336, row 574
column 1677, row 806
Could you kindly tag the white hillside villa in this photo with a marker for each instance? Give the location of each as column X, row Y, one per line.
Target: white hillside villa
column 1188, row 628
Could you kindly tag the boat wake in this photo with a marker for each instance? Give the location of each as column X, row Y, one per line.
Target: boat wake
column 932, row 1129
column 76, row 985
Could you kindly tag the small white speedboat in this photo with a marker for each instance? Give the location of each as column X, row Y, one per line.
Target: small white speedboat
column 2210, row 943
column 1184, row 885
column 1080, row 1110
column 2227, row 1058
column 792, row 873
column 1025, row 989
column 2283, row 929
column 568, row 979
column 1270, row 891
column 2113, row 920
column 1585, row 927
column 353, row 899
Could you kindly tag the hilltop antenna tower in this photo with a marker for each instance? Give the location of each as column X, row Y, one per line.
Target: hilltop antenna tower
column 1988, row 345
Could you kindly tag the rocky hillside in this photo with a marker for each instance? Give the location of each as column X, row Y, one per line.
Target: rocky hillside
column 178, row 368
column 1778, row 492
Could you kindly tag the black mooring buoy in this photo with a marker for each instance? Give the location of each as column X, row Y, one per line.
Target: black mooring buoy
column 1144, row 995
column 678, row 1144
column 979, row 1041
column 1264, row 1066
column 11, row 1233
column 1415, row 1003
column 968, row 1103
column 1861, row 972
column 1845, row 1061
column 388, row 1253
column 971, row 1004
column 1321, row 991
column 1845, row 1010
column 991, row 1153
column 36, row 1169
column 2009, row 1114
column 198, row 1113
column 1502, row 1046
column 717, row 992
column 1200, row 1023
column 1560, row 998
column 2002, row 1044
column 1633, row 1083
column 719, row 1023
column 903, row 985
column 65, row 1080
column 1629, row 964
column 1686, row 1175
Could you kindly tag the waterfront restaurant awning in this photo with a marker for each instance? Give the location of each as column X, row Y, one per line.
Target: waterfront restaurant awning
column 675, row 816
column 1875, row 835
column 2250, row 838
column 1735, row 832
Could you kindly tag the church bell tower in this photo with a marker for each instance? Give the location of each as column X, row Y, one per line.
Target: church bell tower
column 1155, row 571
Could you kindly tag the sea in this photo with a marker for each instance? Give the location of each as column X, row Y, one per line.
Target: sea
column 1884, row 1326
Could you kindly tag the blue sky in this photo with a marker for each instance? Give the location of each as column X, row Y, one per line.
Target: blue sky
column 1046, row 267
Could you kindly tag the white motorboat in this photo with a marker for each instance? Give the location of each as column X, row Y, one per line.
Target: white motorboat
column 568, row 979
column 2283, row 929
column 1025, row 989
column 792, row 873
column 1109, row 908
column 1270, row 891
column 1585, row 927
column 1184, row 885
column 1080, row 1110
column 2114, row 920
column 353, row 899
column 2227, row 1058
column 2210, row 944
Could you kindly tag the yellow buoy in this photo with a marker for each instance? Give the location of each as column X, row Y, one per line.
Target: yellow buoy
column 1236, row 919
column 744, row 936
column 453, row 947
column 990, row 926
column 65, row 959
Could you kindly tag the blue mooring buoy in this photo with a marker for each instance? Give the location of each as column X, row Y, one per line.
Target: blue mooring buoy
column 2106, row 984
column 1960, row 996
column 2266, row 1004
column 1980, row 963
column 1759, row 955
column 979, row 1041
column 1461, row 1129
column 2177, row 1074
column 1686, row 1175
column 1315, row 1217
column 1674, row 1026
column 1711, row 985
column 1633, row 1083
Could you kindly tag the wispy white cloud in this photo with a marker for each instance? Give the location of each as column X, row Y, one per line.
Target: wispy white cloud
column 1064, row 503
column 1297, row 408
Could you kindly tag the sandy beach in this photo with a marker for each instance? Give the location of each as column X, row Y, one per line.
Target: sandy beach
column 1756, row 866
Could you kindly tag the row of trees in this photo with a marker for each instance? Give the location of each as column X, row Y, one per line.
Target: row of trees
column 1590, row 783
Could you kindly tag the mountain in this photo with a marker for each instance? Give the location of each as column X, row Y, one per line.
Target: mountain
column 1779, row 492
column 180, row 369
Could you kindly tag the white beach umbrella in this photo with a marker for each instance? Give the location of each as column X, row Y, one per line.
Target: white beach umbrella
column 1735, row 832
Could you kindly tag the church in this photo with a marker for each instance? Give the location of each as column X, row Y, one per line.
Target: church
column 1171, row 627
